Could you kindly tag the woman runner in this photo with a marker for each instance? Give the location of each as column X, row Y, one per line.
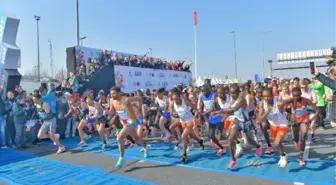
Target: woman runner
column 96, row 117
column 181, row 107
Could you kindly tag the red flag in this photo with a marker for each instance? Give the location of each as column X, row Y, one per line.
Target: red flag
column 195, row 17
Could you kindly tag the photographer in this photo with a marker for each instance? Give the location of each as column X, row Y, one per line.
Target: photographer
column 331, row 83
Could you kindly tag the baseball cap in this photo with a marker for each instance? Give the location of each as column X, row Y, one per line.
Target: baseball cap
column 67, row 94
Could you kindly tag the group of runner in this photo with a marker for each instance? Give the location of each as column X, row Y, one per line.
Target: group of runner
column 240, row 111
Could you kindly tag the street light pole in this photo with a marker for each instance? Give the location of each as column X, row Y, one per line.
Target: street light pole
column 271, row 67
column 77, row 21
column 81, row 40
column 263, row 57
column 38, row 18
column 235, row 53
column 263, row 52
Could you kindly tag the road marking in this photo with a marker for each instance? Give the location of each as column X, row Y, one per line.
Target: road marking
column 305, row 156
column 141, row 161
column 306, row 152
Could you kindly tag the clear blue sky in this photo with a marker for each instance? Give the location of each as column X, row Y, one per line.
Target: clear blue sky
column 133, row 26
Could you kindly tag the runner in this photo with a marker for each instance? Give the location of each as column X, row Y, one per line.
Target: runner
column 216, row 121
column 84, row 130
column 194, row 98
column 264, row 126
column 310, row 95
column 242, row 123
column 300, row 117
column 97, row 118
column 163, row 115
column 285, row 94
column 181, row 107
column 122, row 106
column 143, row 117
column 140, row 113
column 274, row 111
column 48, row 128
column 205, row 103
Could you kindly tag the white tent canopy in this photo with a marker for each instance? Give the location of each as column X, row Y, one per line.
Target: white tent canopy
column 228, row 81
column 214, row 81
column 199, row 82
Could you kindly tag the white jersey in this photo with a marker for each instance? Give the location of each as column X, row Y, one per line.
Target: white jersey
column 308, row 95
column 93, row 109
column 276, row 118
column 242, row 114
column 162, row 103
column 183, row 112
column 227, row 103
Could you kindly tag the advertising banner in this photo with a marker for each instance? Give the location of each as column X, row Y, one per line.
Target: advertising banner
column 3, row 20
column 3, row 52
column 131, row 79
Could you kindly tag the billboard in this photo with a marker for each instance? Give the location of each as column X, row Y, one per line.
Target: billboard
column 3, row 19
column 131, row 79
column 304, row 56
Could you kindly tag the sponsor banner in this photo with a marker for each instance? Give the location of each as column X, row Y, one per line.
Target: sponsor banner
column 3, row 52
column 133, row 78
column 3, row 19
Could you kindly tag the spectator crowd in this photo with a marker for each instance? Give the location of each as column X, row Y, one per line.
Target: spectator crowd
column 91, row 65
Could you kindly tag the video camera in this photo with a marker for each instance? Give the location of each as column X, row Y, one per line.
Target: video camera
column 332, row 59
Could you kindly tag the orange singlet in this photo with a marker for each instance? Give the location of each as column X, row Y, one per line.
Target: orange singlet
column 126, row 114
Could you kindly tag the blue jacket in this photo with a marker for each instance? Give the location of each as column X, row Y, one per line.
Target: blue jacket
column 51, row 100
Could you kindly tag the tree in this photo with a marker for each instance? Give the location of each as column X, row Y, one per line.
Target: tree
column 44, row 73
column 30, row 74
column 60, row 74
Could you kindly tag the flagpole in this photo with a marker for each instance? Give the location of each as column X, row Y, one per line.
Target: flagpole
column 195, row 43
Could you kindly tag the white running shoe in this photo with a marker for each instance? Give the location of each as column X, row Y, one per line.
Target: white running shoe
column 104, row 146
column 57, row 136
column 190, row 147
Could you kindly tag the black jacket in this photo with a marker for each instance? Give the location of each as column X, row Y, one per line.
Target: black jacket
column 2, row 107
column 9, row 110
column 332, row 85
column 19, row 113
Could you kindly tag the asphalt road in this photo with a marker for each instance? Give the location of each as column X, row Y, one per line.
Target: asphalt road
column 323, row 149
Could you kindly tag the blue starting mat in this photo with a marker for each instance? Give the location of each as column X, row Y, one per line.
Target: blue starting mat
column 319, row 172
column 26, row 169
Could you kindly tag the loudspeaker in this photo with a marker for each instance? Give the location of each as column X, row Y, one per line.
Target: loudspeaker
column 44, row 85
column 9, row 52
column 207, row 82
column 10, row 79
column 71, row 59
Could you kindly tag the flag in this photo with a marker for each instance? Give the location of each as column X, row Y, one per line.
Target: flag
column 195, row 18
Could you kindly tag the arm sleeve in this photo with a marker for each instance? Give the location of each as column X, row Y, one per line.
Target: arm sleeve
column 327, row 81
